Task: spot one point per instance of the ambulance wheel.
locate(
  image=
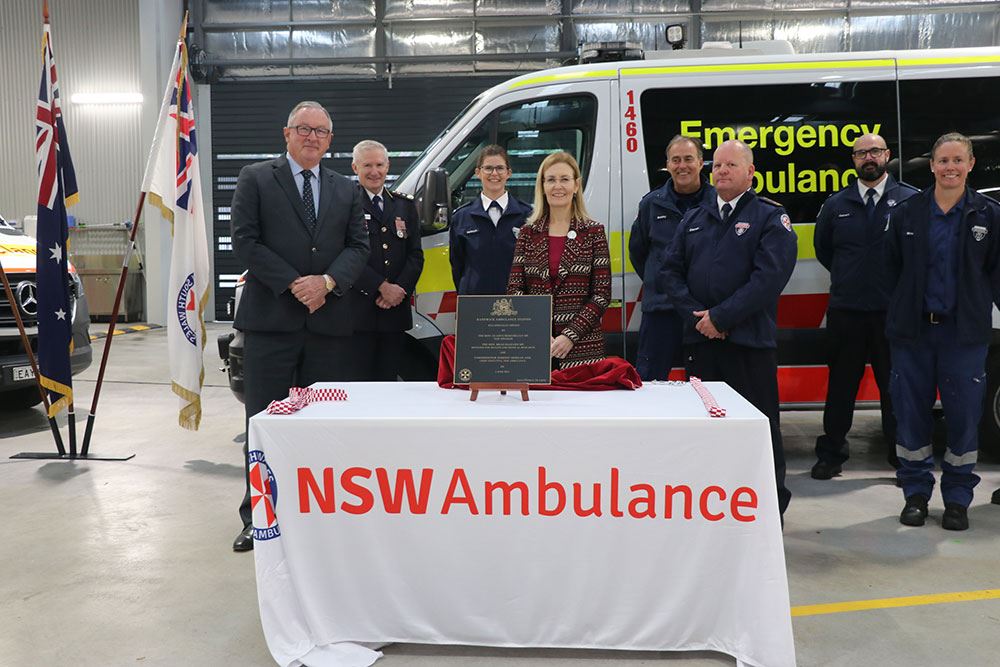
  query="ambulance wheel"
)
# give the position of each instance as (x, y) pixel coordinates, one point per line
(989, 425)
(20, 399)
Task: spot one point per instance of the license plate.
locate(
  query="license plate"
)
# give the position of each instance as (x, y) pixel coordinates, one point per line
(21, 373)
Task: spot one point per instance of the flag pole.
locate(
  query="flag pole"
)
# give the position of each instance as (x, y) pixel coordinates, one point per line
(124, 273)
(111, 328)
(31, 358)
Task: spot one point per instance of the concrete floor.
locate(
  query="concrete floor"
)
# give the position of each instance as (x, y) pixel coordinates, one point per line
(131, 563)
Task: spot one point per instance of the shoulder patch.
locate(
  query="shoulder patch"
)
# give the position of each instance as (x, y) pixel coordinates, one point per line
(786, 222)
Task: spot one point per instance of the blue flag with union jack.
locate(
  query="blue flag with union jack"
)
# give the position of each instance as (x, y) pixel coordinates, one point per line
(56, 190)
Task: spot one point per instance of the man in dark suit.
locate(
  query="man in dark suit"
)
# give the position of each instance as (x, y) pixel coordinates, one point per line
(298, 228)
(380, 300)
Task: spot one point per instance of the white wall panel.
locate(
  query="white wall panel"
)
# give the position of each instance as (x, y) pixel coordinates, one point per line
(96, 47)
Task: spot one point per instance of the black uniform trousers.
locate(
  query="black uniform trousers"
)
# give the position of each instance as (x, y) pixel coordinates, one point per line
(856, 338)
(274, 362)
(660, 336)
(753, 373)
(377, 355)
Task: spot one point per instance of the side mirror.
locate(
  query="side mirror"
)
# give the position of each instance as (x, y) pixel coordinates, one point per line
(435, 209)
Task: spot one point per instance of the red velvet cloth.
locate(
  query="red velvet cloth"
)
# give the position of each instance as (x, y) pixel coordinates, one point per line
(609, 373)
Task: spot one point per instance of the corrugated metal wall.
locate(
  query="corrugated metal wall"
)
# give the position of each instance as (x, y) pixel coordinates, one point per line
(247, 119)
(96, 46)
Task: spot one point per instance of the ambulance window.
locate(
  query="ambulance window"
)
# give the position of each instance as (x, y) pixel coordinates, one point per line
(529, 131)
(532, 130)
(801, 134)
(461, 166)
(932, 107)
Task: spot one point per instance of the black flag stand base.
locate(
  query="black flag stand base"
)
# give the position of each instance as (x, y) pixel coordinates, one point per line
(67, 457)
(61, 455)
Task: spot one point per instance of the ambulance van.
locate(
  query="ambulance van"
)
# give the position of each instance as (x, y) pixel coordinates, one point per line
(801, 115)
(17, 380)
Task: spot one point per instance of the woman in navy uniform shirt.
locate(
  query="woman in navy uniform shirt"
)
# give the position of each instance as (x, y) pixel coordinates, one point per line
(943, 257)
(483, 231)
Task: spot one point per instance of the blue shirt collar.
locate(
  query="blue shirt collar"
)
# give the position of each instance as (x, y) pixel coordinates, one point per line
(296, 167)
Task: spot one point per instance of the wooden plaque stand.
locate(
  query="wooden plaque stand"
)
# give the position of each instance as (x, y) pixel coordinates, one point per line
(474, 388)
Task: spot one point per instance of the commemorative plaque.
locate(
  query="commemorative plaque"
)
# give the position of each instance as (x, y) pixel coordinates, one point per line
(503, 340)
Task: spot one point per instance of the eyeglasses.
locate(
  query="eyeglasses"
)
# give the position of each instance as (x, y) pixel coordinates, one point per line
(874, 152)
(305, 131)
(490, 169)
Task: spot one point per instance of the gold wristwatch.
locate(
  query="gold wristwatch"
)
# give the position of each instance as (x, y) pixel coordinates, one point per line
(329, 283)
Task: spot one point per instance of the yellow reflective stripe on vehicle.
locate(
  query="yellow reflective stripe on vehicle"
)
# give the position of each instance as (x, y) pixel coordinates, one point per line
(805, 231)
(16, 248)
(619, 257)
(759, 67)
(436, 276)
(565, 76)
(959, 60)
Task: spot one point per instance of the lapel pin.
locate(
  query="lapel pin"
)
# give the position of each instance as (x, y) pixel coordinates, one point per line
(571, 235)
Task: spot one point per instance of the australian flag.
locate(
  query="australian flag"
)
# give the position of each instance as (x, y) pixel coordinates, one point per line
(56, 190)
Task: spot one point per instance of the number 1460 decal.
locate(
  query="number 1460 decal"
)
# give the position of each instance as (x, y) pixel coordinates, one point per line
(631, 129)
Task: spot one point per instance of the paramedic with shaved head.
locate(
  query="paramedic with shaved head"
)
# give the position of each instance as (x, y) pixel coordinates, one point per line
(727, 264)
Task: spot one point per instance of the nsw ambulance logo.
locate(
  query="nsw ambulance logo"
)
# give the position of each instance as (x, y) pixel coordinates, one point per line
(186, 308)
(263, 497)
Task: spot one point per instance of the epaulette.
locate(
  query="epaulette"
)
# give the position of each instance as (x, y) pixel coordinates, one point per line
(769, 201)
(400, 195)
(907, 186)
(468, 203)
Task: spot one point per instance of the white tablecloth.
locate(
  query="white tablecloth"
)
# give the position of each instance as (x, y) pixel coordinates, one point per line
(342, 556)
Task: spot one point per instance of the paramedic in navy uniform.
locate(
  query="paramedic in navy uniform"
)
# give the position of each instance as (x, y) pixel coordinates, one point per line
(483, 231)
(380, 299)
(660, 211)
(943, 253)
(726, 266)
(850, 231)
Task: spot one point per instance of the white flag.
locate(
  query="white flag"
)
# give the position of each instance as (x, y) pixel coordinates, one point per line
(173, 184)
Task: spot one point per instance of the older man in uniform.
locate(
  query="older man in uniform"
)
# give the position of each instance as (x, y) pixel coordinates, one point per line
(850, 232)
(660, 212)
(380, 300)
(724, 272)
(298, 229)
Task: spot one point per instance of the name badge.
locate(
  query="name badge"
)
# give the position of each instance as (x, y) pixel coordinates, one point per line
(843, 215)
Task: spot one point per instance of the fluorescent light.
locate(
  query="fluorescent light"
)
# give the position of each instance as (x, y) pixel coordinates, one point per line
(106, 98)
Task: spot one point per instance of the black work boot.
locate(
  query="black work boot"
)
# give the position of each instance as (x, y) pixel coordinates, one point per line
(915, 511)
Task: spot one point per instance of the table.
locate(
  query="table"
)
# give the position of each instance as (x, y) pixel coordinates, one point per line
(409, 514)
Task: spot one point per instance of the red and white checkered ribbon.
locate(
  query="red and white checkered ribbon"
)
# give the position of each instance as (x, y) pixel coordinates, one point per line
(706, 397)
(299, 397)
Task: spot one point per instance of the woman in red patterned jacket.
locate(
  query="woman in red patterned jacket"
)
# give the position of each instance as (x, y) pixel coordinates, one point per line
(562, 252)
